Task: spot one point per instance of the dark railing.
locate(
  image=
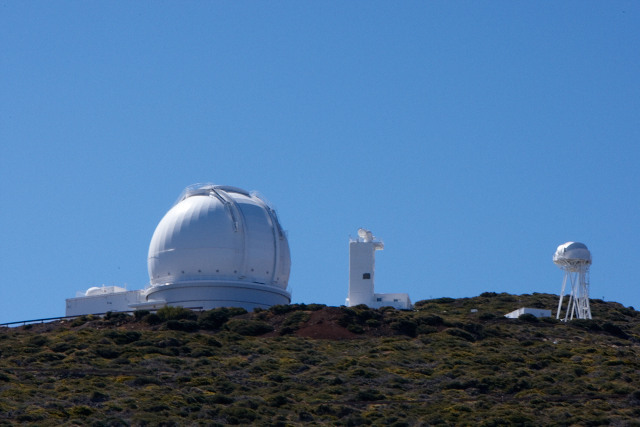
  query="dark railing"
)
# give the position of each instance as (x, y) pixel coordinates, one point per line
(46, 319)
(51, 319)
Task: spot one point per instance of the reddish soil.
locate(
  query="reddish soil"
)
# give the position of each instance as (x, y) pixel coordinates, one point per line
(323, 324)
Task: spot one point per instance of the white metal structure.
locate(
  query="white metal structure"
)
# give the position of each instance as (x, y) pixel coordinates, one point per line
(574, 259)
(538, 312)
(218, 246)
(362, 275)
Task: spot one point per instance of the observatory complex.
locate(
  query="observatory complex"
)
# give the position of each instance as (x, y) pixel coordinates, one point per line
(218, 246)
(221, 246)
(362, 252)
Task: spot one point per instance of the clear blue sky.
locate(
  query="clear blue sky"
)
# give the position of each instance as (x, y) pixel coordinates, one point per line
(471, 137)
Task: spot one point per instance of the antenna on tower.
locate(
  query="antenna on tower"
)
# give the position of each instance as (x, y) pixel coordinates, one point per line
(574, 259)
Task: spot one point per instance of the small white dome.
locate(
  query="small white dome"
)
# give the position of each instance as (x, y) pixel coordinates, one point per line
(94, 290)
(572, 253)
(219, 233)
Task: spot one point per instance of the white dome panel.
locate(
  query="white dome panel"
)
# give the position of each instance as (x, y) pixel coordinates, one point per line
(572, 253)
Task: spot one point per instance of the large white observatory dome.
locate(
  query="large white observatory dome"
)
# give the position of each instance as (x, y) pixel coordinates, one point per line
(219, 246)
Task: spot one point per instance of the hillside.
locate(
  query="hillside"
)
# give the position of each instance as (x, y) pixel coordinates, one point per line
(441, 364)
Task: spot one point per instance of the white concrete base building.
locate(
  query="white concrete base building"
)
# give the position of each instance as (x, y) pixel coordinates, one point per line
(362, 275)
(98, 300)
(218, 246)
(538, 312)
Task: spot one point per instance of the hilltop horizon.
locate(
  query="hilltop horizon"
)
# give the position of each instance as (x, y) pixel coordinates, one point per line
(440, 364)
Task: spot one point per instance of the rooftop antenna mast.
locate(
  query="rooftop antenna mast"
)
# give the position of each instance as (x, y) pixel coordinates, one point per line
(574, 259)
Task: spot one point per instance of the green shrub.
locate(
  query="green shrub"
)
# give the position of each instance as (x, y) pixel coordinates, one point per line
(116, 318)
(81, 411)
(140, 314)
(354, 328)
(528, 317)
(476, 329)
(152, 319)
(519, 385)
(587, 324)
(111, 422)
(248, 327)
(202, 352)
(97, 397)
(108, 352)
(461, 333)
(614, 330)
(282, 308)
(145, 380)
(79, 321)
(169, 342)
(462, 384)
(60, 347)
(373, 323)
(296, 319)
(487, 316)
(405, 327)
(214, 319)
(443, 300)
(305, 416)
(32, 415)
(278, 400)
(505, 297)
(239, 415)
(212, 342)
(370, 395)
(123, 337)
(183, 325)
(431, 320)
(220, 399)
(425, 330)
(49, 357)
(37, 341)
(176, 313)
(236, 311)
(348, 317)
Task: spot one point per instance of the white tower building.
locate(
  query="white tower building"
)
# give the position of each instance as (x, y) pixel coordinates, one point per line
(362, 275)
(218, 246)
(574, 259)
(362, 261)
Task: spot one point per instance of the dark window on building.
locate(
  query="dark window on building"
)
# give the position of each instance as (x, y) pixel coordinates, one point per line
(366, 276)
(378, 299)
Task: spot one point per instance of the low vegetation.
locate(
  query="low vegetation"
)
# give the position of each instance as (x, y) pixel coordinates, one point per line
(448, 362)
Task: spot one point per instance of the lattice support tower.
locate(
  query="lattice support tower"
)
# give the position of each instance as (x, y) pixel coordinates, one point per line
(574, 259)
